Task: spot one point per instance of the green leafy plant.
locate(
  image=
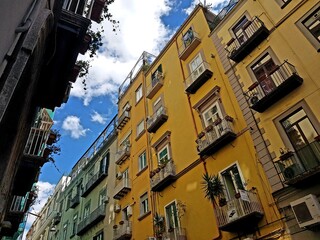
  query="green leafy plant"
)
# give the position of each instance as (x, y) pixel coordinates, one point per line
(213, 188)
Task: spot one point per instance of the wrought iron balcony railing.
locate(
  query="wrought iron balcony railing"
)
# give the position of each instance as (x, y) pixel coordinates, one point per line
(94, 181)
(156, 84)
(123, 231)
(122, 188)
(96, 216)
(75, 201)
(122, 155)
(155, 121)
(276, 85)
(216, 136)
(298, 166)
(163, 176)
(189, 45)
(198, 77)
(240, 214)
(253, 33)
(123, 119)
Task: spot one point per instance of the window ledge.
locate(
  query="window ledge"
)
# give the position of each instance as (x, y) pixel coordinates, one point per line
(144, 215)
(140, 134)
(142, 170)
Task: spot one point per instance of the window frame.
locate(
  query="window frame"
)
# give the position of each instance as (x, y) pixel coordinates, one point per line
(227, 192)
(139, 93)
(142, 162)
(86, 210)
(176, 220)
(144, 204)
(74, 224)
(102, 196)
(305, 31)
(141, 125)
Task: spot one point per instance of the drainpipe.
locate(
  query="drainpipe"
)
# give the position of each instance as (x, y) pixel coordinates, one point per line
(196, 132)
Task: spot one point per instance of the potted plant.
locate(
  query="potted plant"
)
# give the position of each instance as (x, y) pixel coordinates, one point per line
(201, 135)
(217, 121)
(85, 44)
(209, 128)
(213, 189)
(121, 222)
(228, 118)
(158, 222)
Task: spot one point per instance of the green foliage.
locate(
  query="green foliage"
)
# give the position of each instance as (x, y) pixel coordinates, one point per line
(212, 187)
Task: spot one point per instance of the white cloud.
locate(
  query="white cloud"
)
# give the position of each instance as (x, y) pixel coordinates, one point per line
(72, 125)
(45, 191)
(140, 29)
(99, 118)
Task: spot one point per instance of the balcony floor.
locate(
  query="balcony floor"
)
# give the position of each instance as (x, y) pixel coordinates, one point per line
(219, 143)
(305, 179)
(281, 91)
(205, 76)
(239, 54)
(157, 123)
(246, 223)
(164, 183)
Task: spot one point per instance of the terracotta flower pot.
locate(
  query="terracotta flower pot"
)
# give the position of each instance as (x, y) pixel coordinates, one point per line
(97, 9)
(85, 44)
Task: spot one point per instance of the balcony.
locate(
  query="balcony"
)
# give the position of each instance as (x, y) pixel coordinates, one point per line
(123, 231)
(240, 214)
(157, 119)
(189, 45)
(216, 136)
(96, 216)
(156, 84)
(122, 155)
(175, 234)
(198, 77)
(123, 119)
(279, 83)
(93, 182)
(163, 176)
(56, 218)
(254, 32)
(122, 188)
(75, 201)
(301, 166)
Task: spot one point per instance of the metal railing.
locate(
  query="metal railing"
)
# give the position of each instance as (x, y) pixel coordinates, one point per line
(98, 212)
(248, 30)
(177, 233)
(304, 160)
(196, 73)
(94, 178)
(237, 208)
(187, 42)
(123, 183)
(122, 230)
(168, 170)
(274, 79)
(122, 154)
(19, 204)
(76, 6)
(221, 15)
(152, 119)
(214, 132)
(156, 81)
(39, 135)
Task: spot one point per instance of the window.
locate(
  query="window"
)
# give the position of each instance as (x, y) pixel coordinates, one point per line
(232, 181)
(262, 70)
(211, 114)
(310, 26)
(140, 128)
(188, 37)
(172, 219)
(126, 141)
(65, 231)
(283, 3)
(125, 174)
(155, 77)
(158, 106)
(104, 163)
(86, 210)
(142, 161)
(126, 107)
(74, 224)
(99, 236)
(102, 197)
(68, 199)
(90, 174)
(138, 93)
(163, 154)
(239, 30)
(144, 206)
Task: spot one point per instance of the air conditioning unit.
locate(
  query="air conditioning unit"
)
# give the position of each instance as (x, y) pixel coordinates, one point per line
(254, 99)
(106, 201)
(306, 210)
(116, 208)
(119, 175)
(129, 211)
(151, 238)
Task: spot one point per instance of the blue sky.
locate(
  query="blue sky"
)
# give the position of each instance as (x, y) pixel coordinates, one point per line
(145, 25)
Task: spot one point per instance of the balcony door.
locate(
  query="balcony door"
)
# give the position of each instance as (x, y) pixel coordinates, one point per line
(301, 133)
(239, 30)
(232, 181)
(194, 65)
(262, 71)
(172, 218)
